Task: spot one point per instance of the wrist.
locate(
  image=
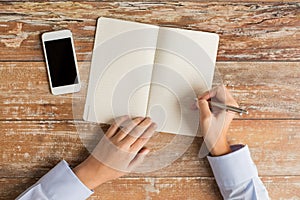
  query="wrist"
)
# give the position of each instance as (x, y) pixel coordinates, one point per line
(88, 173)
(222, 147)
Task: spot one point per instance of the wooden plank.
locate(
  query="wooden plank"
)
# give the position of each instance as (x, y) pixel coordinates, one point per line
(151, 1)
(189, 188)
(31, 148)
(280, 187)
(25, 93)
(266, 89)
(248, 30)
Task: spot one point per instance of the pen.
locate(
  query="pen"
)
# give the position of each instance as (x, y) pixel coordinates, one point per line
(227, 107)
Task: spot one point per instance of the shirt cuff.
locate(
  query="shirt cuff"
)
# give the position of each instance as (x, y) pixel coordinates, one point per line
(233, 168)
(61, 183)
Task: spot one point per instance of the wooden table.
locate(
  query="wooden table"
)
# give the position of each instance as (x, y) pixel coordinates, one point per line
(258, 58)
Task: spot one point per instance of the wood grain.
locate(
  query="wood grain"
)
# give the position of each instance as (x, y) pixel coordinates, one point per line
(38, 129)
(248, 31)
(151, 1)
(267, 90)
(195, 188)
(274, 145)
(192, 188)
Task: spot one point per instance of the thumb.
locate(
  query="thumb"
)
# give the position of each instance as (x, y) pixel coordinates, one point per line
(204, 108)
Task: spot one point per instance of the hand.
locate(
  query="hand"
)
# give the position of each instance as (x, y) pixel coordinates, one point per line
(119, 151)
(215, 122)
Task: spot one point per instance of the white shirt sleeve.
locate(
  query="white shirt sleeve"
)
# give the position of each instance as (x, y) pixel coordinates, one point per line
(59, 183)
(237, 176)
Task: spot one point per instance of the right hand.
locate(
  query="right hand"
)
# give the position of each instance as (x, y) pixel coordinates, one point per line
(215, 124)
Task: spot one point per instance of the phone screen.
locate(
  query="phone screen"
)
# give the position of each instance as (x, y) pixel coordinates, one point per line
(61, 62)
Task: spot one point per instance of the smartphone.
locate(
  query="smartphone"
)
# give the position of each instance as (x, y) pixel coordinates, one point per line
(61, 62)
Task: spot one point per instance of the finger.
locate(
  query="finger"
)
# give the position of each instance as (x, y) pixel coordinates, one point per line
(126, 127)
(205, 95)
(137, 131)
(139, 158)
(204, 109)
(229, 98)
(217, 94)
(115, 125)
(141, 141)
(209, 94)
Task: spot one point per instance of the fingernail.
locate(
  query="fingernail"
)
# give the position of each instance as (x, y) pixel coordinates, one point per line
(146, 151)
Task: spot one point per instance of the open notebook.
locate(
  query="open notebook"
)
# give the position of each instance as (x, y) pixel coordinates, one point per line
(146, 70)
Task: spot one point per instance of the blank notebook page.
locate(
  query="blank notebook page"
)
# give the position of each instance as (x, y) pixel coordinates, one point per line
(121, 70)
(184, 67)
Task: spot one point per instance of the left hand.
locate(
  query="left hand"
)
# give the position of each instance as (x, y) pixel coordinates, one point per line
(118, 152)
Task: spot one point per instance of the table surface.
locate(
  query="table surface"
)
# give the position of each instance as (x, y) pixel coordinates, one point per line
(258, 59)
